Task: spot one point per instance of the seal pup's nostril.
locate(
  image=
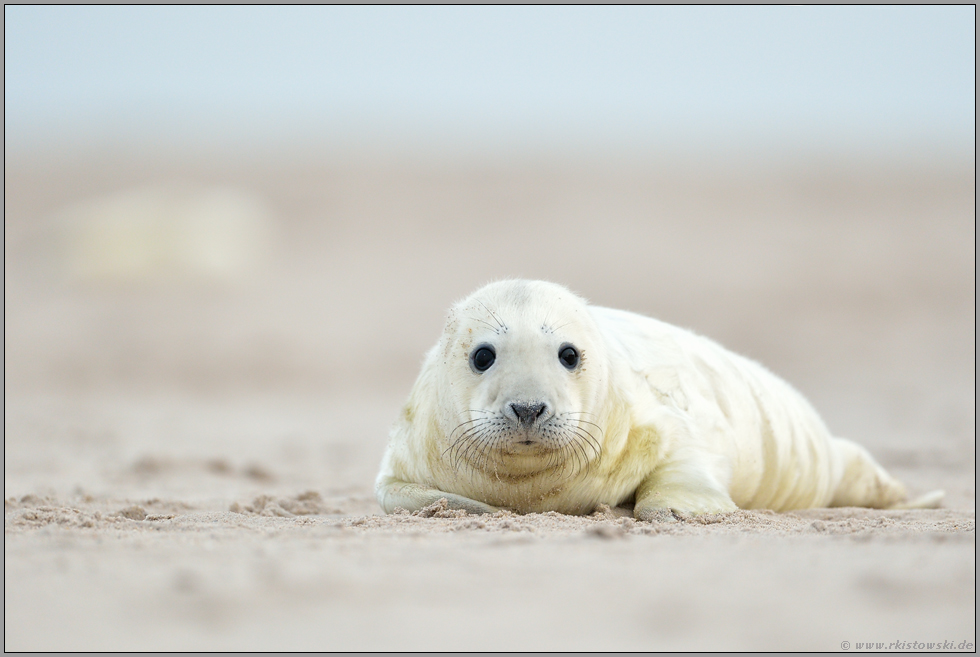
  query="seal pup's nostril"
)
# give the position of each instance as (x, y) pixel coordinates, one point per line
(528, 412)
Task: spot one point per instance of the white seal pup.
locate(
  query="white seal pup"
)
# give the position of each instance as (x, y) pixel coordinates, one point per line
(535, 401)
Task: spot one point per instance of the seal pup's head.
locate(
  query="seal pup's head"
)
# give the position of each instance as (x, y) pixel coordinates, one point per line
(522, 376)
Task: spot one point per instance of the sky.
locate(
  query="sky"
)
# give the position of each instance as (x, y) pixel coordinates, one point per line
(650, 79)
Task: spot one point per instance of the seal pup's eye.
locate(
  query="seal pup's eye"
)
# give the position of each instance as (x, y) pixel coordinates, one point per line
(568, 356)
(482, 358)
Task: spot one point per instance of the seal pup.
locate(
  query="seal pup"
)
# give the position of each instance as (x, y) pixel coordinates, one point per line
(535, 401)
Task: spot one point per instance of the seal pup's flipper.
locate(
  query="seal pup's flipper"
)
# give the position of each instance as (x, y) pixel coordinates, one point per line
(394, 494)
(864, 483)
(680, 490)
(931, 500)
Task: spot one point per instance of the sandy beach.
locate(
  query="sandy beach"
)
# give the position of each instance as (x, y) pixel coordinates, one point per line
(195, 409)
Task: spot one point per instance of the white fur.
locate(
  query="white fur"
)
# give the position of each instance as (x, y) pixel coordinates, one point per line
(653, 415)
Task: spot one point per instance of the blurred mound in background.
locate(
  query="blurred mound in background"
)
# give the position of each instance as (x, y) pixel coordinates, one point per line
(154, 233)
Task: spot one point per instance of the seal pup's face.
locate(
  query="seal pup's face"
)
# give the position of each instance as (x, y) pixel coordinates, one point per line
(525, 370)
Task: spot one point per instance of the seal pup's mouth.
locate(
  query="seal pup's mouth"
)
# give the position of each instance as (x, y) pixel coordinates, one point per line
(493, 442)
(525, 444)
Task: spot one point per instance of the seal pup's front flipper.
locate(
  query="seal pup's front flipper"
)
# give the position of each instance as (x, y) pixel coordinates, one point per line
(394, 494)
(680, 490)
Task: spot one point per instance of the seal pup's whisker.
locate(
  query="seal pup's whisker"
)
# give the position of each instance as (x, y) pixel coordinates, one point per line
(580, 451)
(468, 438)
(458, 442)
(474, 424)
(481, 441)
(580, 422)
(587, 438)
(463, 424)
(494, 316)
(492, 327)
(567, 321)
(581, 413)
(582, 442)
(473, 410)
(469, 444)
(489, 445)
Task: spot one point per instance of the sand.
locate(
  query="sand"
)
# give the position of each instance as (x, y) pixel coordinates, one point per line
(191, 437)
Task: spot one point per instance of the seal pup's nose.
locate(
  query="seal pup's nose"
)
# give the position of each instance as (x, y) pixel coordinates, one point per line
(528, 412)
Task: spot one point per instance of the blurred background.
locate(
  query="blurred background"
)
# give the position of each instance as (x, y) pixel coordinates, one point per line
(251, 208)
(231, 234)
